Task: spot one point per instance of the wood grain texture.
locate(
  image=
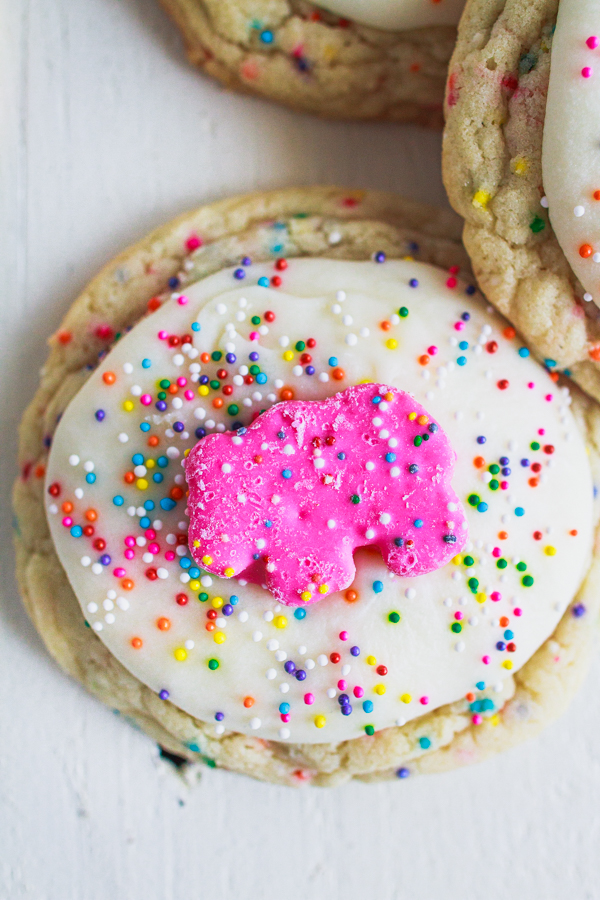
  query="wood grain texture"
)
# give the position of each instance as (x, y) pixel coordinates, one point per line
(106, 132)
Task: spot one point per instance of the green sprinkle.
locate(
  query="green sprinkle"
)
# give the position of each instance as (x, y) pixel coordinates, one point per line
(355, 498)
(165, 383)
(233, 409)
(469, 561)
(534, 445)
(254, 370)
(473, 584)
(473, 499)
(521, 567)
(418, 441)
(203, 597)
(494, 485)
(403, 312)
(394, 617)
(213, 664)
(456, 627)
(215, 385)
(526, 580)
(501, 564)
(216, 355)
(493, 469)
(300, 346)
(369, 729)
(255, 320)
(537, 225)
(161, 395)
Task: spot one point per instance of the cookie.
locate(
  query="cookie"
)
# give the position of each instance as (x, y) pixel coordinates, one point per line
(518, 166)
(194, 340)
(306, 57)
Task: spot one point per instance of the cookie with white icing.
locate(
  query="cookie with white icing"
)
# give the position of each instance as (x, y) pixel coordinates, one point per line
(380, 59)
(520, 165)
(338, 683)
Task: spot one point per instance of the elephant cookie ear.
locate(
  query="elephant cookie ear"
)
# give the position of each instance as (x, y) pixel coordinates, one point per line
(285, 502)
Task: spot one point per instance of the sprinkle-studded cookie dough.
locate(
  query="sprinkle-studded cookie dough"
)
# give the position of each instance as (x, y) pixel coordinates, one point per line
(213, 356)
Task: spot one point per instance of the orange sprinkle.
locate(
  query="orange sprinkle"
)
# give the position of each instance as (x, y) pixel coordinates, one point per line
(127, 584)
(574, 532)
(163, 624)
(91, 515)
(553, 376)
(594, 353)
(153, 441)
(479, 462)
(40, 471)
(287, 393)
(502, 535)
(67, 506)
(217, 402)
(338, 374)
(585, 251)
(596, 195)
(176, 493)
(136, 643)
(351, 596)
(210, 626)
(173, 388)
(128, 477)
(504, 621)
(153, 304)
(385, 325)
(205, 357)
(509, 332)
(248, 702)
(533, 482)
(470, 696)
(64, 337)
(109, 378)
(424, 359)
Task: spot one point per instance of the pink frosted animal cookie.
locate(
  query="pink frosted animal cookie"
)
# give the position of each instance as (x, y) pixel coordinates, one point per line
(287, 501)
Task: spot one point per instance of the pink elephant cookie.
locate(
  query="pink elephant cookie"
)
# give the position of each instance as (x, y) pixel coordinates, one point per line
(285, 502)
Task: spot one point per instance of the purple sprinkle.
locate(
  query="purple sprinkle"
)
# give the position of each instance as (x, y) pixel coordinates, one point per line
(290, 667)
(239, 274)
(164, 695)
(105, 560)
(380, 257)
(161, 405)
(579, 610)
(525, 463)
(300, 675)
(254, 356)
(481, 439)
(178, 426)
(403, 772)
(219, 716)
(100, 414)
(246, 261)
(231, 358)
(466, 316)
(355, 651)
(413, 283)
(310, 370)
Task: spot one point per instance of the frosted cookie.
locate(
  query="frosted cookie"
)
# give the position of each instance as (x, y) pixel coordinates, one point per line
(520, 167)
(382, 59)
(298, 502)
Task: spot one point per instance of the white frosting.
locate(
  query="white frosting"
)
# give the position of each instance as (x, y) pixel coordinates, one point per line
(342, 305)
(571, 147)
(397, 15)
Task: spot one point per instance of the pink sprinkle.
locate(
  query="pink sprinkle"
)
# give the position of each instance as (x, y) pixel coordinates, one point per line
(477, 719)
(358, 691)
(496, 596)
(129, 554)
(342, 685)
(548, 397)
(67, 521)
(285, 717)
(541, 431)
(104, 331)
(181, 381)
(458, 326)
(496, 552)
(309, 699)
(163, 335)
(504, 485)
(146, 399)
(454, 270)
(193, 242)
(432, 350)
(587, 72)
(169, 556)
(154, 548)
(182, 300)
(150, 534)
(119, 573)
(518, 611)
(451, 282)
(458, 616)
(592, 42)
(424, 701)
(130, 541)
(254, 335)
(343, 635)
(531, 385)
(189, 395)
(485, 660)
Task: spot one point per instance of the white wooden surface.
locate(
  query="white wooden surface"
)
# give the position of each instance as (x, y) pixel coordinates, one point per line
(106, 132)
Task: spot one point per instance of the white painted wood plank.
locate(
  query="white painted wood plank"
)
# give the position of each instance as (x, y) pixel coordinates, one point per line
(107, 133)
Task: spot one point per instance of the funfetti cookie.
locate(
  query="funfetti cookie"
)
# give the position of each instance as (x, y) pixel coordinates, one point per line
(298, 502)
(354, 59)
(521, 167)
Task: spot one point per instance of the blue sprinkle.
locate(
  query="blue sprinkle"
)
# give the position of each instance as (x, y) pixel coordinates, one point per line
(482, 507)
(523, 352)
(234, 600)
(550, 363)
(470, 290)
(173, 282)
(341, 456)
(163, 461)
(145, 522)
(76, 531)
(118, 500)
(149, 505)
(525, 463)
(376, 400)
(380, 257)
(145, 426)
(167, 504)
(333, 361)
(137, 459)
(299, 613)
(462, 360)
(195, 326)
(413, 468)
(509, 635)
(261, 378)
(378, 586)
(195, 573)
(464, 345)
(578, 610)
(368, 706)
(164, 695)
(425, 743)
(266, 37)
(284, 708)
(268, 523)
(287, 473)
(158, 477)
(500, 646)
(390, 457)
(146, 363)
(246, 261)
(480, 685)
(399, 542)
(90, 478)
(519, 511)
(418, 523)
(185, 562)
(263, 282)
(466, 316)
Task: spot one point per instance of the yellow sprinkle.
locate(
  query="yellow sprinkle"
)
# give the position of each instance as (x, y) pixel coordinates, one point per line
(550, 550)
(305, 595)
(323, 588)
(128, 405)
(207, 560)
(280, 621)
(219, 637)
(196, 543)
(408, 258)
(180, 654)
(229, 572)
(481, 597)
(141, 484)
(406, 698)
(457, 560)
(217, 602)
(379, 689)
(329, 52)
(412, 417)
(371, 660)
(150, 463)
(194, 585)
(507, 664)
(481, 199)
(495, 720)
(366, 381)
(519, 165)
(391, 343)
(288, 355)
(423, 420)
(187, 451)
(203, 390)
(320, 721)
